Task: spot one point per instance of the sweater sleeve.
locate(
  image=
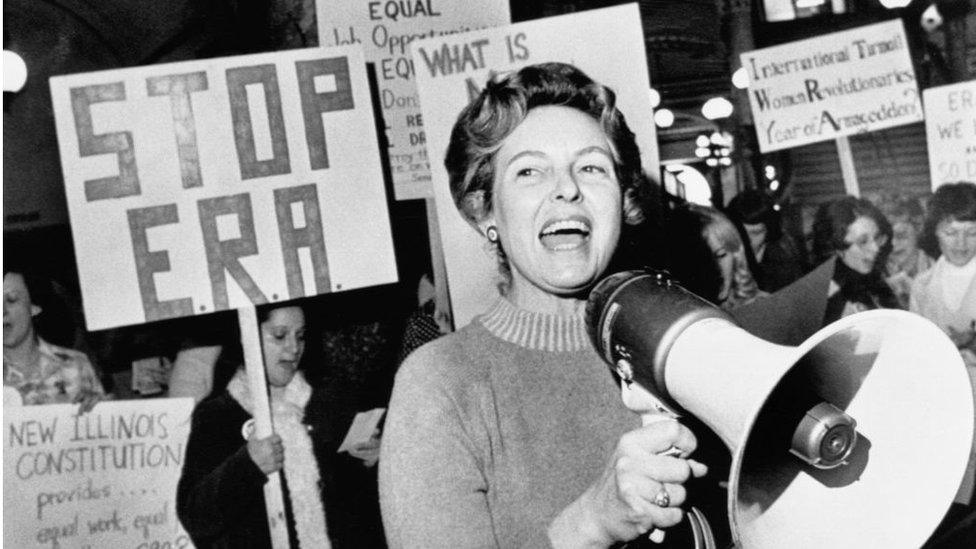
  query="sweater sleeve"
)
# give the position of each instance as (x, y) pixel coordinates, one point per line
(432, 481)
(220, 482)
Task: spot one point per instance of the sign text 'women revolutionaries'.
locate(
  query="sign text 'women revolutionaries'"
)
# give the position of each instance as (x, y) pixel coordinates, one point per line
(838, 84)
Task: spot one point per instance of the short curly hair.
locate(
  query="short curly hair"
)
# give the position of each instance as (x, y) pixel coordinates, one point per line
(951, 202)
(483, 125)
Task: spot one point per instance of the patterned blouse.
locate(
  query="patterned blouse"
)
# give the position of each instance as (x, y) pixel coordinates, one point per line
(62, 376)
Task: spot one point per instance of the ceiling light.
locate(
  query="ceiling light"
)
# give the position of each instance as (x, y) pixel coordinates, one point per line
(663, 118)
(717, 107)
(655, 98)
(740, 78)
(14, 72)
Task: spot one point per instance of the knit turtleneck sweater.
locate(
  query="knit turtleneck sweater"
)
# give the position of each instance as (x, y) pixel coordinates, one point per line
(494, 429)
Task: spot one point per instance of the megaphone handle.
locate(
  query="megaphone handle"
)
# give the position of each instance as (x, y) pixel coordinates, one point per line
(657, 535)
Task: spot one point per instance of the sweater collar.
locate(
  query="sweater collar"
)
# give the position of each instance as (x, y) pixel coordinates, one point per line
(536, 331)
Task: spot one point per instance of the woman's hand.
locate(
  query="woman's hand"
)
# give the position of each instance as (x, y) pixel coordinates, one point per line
(88, 400)
(628, 498)
(267, 453)
(368, 451)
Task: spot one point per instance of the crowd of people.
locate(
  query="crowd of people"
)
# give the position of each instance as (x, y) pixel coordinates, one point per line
(507, 432)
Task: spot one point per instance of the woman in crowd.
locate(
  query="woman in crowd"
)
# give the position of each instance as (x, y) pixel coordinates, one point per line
(776, 259)
(220, 498)
(738, 286)
(856, 233)
(36, 371)
(906, 259)
(510, 432)
(946, 293)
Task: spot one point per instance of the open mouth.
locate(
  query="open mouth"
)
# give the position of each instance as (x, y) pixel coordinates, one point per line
(565, 234)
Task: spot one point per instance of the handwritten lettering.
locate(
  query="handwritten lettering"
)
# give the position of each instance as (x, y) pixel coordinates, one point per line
(126, 183)
(397, 9)
(455, 58)
(32, 433)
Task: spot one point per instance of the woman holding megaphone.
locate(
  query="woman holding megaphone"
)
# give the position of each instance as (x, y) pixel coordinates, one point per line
(509, 432)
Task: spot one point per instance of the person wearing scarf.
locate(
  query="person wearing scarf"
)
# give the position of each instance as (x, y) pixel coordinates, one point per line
(220, 498)
(855, 232)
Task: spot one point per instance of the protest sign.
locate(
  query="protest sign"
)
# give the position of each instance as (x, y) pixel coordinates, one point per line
(834, 85)
(208, 185)
(950, 129)
(450, 69)
(385, 28)
(106, 478)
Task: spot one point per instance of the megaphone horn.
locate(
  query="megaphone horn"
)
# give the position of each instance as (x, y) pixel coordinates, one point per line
(830, 440)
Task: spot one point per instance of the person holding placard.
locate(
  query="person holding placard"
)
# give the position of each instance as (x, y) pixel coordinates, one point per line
(36, 371)
(220, 498)
(855, 232)
(509, 432)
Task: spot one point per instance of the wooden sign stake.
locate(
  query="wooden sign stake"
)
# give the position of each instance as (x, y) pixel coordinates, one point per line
(847, 169)
(263, 427)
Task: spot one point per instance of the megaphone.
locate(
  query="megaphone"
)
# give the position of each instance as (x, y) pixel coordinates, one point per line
(859, 437)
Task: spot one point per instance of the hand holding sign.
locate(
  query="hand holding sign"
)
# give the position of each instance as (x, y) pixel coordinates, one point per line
(267, 453)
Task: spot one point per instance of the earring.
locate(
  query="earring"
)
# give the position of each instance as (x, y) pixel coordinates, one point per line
(492, 233)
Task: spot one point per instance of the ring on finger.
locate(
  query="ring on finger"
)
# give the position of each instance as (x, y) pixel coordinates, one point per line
(663, 498)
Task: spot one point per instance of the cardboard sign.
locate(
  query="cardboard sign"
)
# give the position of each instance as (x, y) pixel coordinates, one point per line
(106, 478)
(950, 129)
(385, 28)
(451, 69)
(208, 185)
(838, 84)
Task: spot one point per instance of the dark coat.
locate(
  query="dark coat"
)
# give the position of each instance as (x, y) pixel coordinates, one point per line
(220, 496)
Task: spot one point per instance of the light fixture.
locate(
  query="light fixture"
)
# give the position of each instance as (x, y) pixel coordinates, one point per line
(702, 141)
(655, 98)
(663, 118)
(770, 171)
(14, 72)
(895, 4)
(717, 107)
(931, 18)
(740, 78)
(774, 184)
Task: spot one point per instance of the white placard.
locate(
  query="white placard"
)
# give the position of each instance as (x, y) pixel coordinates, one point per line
(837, 84)
(362, 429)
(450, 69)
(950, 129)
(106, 478)
(208, 185)
(385, 29)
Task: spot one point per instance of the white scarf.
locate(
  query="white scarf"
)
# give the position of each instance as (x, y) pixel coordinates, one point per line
(301, 469)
